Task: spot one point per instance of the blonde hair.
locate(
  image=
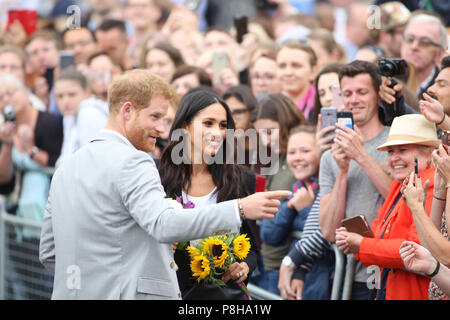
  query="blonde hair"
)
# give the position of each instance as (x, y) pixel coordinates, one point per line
(137, 86)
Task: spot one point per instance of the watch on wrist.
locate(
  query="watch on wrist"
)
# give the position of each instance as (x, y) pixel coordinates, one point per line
(34, 150)
(287, 261)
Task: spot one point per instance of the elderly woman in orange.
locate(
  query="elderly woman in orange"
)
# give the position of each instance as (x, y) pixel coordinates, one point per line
(410, 136)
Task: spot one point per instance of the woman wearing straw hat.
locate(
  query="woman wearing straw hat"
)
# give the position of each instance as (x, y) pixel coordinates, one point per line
(410, 136)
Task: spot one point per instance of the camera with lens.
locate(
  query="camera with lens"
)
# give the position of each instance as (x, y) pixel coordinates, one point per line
(392, 67)
(9, 114)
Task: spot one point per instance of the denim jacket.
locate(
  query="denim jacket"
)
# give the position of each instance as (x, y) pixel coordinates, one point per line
(276, 231)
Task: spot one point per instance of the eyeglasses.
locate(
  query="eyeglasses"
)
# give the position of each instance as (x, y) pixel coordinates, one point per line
(423, 42)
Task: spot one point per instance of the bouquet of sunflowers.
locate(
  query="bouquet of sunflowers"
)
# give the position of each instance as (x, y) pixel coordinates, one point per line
(212, 256)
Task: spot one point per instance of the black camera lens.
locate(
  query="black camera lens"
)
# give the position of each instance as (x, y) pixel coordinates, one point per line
(392, 67)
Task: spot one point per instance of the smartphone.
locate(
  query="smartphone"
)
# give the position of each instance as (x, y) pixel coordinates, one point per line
(444, 137)
(329, 118)
(358, 224)
(28, 19)
(66, 59)
(416, 166)
(241, 25)
(336, 101)
(192, 4)
(219, 62)
(345, 118)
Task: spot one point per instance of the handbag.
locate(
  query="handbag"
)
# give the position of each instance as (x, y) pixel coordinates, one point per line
(232, 291)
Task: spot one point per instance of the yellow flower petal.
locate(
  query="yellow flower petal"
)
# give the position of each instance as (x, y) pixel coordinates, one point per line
(200, 267)
(241, 246)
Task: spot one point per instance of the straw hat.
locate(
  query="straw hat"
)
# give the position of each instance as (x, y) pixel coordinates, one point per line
(411, 129)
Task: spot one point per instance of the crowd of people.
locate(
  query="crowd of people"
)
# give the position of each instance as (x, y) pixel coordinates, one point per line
(293, 61)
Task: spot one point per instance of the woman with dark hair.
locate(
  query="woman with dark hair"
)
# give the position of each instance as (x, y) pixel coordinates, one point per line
(202, 173)
(244, 107)
(326, 79)
(187, 77)
(162, 59)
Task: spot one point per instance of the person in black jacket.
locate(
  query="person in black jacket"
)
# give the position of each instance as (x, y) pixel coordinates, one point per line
(203, 118)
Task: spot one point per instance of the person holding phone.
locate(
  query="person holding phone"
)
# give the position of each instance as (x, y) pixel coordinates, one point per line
(433, 230)
(410, 136)
(326, 83)
(350, 188)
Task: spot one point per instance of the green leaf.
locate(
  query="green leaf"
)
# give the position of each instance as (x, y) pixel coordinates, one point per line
(182, 245)
(218, 282)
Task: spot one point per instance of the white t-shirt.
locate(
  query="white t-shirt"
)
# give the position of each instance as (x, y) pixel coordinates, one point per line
(204, 201)
(200, 202)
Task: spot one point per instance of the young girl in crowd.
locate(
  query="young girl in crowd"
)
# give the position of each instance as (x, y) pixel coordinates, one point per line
(202, 180)
(277, 115)
(296, 69)
(303, 161)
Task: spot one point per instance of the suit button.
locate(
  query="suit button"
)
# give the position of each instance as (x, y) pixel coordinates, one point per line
(173, 265)
(179, 294)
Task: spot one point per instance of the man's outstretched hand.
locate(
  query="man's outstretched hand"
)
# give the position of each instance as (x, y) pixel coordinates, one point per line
(263, 205)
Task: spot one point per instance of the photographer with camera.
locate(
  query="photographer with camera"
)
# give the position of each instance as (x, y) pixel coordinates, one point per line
(435, 103)
(391, 91)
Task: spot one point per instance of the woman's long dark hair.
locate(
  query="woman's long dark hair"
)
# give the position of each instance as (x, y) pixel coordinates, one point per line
(229, 178)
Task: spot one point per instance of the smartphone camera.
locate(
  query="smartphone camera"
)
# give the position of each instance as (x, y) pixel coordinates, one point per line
(9, 114)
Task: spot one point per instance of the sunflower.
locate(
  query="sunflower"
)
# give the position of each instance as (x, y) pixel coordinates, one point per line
(193, 252)
(218, 250)
(241, 246)
(200, 267)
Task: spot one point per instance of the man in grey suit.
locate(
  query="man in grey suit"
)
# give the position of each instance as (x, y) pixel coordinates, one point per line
(107, 230)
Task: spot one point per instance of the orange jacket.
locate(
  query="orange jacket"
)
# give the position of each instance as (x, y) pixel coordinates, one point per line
(401, 284)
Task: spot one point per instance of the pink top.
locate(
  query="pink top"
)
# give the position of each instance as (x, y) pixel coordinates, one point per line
(306, 104)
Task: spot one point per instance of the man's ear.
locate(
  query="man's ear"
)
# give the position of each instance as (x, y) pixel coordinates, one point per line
(127, 110)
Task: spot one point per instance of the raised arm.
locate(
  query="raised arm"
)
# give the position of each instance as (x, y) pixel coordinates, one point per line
(332, 205)
(352, 143)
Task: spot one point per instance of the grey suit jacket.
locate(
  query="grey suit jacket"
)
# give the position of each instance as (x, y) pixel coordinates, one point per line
(107, 229)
